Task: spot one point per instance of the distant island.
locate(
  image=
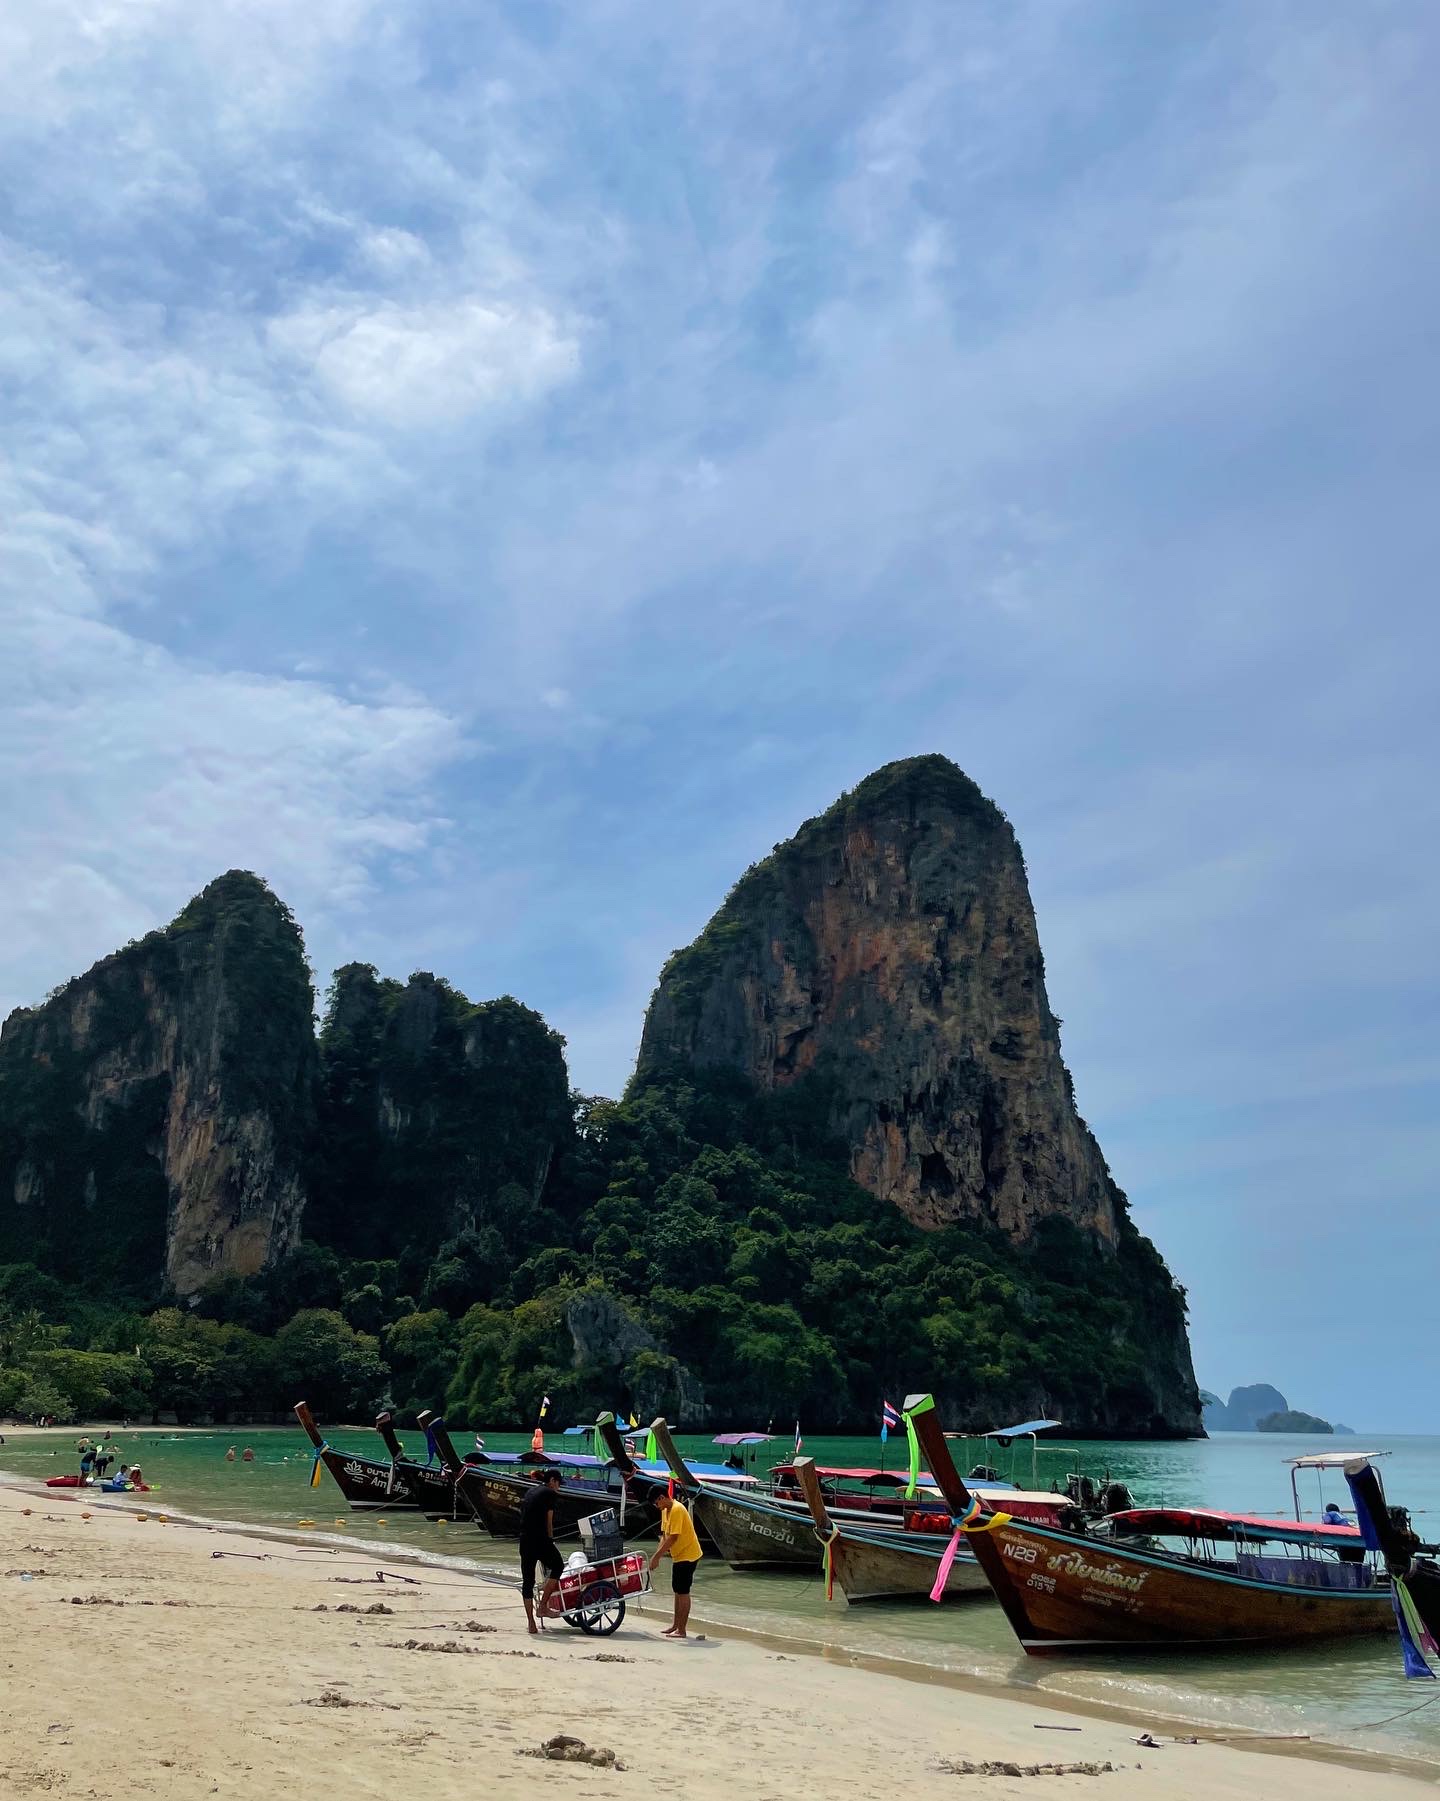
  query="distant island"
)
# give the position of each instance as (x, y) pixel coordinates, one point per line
(1261, 1408)
(1288, 1419)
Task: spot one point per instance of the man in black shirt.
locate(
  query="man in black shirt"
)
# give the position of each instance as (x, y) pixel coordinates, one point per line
(537, 1545)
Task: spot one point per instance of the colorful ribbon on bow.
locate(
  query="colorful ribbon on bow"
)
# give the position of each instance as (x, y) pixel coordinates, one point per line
(1415, 1640)
(952, 1549)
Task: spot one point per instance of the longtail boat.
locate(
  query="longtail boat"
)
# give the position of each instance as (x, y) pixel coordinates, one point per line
(872, 1563)
(371, 1485)
(749, 1530)
(1162, 1577)
(494, 1489)
(756, 1530)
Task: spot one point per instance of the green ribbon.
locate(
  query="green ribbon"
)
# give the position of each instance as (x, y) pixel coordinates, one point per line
(922, 1406)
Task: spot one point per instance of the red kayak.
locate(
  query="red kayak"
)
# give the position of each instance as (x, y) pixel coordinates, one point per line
(139, 1488)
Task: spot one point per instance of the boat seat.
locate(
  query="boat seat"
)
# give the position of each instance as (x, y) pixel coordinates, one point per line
(1305, 1572)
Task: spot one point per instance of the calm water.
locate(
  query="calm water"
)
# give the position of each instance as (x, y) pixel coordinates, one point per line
(1336, 1693)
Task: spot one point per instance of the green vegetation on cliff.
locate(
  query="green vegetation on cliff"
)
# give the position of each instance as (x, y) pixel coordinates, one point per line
(437, 1118)
(703, 1248)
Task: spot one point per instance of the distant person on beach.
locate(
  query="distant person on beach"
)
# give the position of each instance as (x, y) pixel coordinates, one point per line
(537, 1439)
(102, 1461)
(230, 1455)
(87, 1460)
(679, 1543)
(247, 1455)
(537, 1545)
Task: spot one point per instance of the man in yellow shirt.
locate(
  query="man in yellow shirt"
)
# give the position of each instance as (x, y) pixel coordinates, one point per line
(679, 1543)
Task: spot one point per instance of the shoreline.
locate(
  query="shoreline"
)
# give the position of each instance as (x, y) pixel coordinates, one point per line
(951, 1705)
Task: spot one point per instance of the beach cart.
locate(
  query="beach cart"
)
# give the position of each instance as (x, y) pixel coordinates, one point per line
(598, 1578)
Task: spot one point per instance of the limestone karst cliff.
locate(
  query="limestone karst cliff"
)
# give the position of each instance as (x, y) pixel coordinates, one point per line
(154, 1111)
(849, 1164)
(886, 961)
(889, 951)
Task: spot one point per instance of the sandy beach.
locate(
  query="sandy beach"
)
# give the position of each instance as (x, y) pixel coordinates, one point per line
(202, 1661)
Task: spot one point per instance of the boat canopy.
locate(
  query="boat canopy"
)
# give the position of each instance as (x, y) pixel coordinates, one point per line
(568, 1460)
(880, 1478)
(1027, 1429)
(1205, 1522)
(743, 1438)
(709, 1473)
(1332, 1460)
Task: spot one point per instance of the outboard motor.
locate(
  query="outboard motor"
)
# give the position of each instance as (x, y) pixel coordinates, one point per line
(1115, 1497)
(1083, 1492)
(983, 1473)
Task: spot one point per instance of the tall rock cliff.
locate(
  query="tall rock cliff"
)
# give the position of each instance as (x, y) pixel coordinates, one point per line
(890, 950)
(886, 960)
(437, 1117)
(154, 1111)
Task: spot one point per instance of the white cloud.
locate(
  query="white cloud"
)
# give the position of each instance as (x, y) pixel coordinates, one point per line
(412, 365)
(128, 778)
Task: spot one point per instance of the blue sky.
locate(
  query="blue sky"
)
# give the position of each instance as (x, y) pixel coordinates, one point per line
(496, 469)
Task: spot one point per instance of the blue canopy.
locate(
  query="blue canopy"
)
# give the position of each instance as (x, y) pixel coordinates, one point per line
(575, 1431)
(1025, 1429)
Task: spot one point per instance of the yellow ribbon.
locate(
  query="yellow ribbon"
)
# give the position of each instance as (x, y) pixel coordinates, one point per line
(989, 1523)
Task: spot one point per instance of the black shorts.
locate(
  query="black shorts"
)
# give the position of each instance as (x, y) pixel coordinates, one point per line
(682, 1577)
(530, 1555)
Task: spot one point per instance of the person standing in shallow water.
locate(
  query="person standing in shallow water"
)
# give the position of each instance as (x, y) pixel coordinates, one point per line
(679, 1542)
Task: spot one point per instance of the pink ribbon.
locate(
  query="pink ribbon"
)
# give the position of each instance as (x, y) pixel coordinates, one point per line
(944, 1575)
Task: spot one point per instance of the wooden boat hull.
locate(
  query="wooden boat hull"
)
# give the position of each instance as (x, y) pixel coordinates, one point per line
(751, 1534)
(902, 1566)
(370, 1486)
(496, 1499)
(1062, 1592)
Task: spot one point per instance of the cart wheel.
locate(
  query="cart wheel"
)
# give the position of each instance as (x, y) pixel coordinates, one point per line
(574, 1620)
(602, 1608)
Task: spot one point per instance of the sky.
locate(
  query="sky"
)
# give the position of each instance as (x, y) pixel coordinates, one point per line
(496, 469)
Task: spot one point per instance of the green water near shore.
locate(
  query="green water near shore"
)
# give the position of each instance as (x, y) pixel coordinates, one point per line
(1336, 1693)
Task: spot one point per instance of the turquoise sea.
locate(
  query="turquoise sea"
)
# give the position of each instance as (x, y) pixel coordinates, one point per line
(1343, 1694)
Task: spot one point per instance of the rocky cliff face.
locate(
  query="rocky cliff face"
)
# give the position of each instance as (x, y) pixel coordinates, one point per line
(889, 952)
(153, 1112)
(885, 963)
(437, 1116)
